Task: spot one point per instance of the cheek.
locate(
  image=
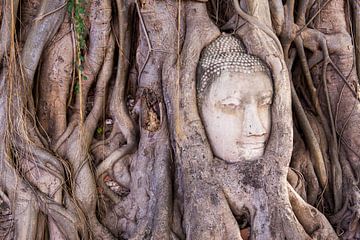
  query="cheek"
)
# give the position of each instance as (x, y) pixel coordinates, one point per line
(221, 127)
(228, 128)
(265, 117)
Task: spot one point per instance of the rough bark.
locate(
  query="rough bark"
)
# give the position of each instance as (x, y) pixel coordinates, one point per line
(105, 141)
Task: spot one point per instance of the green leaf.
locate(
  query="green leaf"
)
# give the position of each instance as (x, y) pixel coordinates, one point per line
(100, 130)
(70, 6)
(81, 10)
(77, 88)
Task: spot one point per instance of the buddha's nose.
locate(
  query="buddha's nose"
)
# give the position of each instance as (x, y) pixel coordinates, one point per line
(252, 125)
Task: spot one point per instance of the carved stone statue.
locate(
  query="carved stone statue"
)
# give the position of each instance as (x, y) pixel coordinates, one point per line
(235, 95)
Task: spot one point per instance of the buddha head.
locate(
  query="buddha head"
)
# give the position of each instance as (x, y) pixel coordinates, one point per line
(234, 91)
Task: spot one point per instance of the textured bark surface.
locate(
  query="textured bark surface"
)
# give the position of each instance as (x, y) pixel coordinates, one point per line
(102, 138)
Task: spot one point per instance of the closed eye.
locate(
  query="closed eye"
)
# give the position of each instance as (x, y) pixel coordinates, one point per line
(265, 101)
(231, 102)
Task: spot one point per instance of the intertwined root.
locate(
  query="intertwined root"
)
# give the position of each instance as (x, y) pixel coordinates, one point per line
(66, 71)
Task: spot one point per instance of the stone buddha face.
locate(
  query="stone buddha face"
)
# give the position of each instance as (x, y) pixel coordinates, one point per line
(235, 106)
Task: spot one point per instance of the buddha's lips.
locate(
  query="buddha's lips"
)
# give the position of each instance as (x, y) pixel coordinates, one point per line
(257, 147)
(251, 144)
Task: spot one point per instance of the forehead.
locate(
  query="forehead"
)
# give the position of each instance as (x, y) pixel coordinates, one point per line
(241, 84)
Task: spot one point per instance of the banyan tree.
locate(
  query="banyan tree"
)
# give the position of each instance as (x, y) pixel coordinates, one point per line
(179, 119)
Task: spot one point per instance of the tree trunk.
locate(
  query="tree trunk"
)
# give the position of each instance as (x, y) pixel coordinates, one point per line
(102, 136)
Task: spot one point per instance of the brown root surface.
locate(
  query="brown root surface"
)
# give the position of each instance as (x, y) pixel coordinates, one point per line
(105, 141)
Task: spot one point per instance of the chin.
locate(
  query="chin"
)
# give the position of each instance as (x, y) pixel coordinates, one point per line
(249, 154)
(244, 155)
(252, 154)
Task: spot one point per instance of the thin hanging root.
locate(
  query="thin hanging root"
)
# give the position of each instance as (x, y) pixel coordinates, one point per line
(345, 124)
(309, 81)
(121, 18)
(41, 17)
(329, 126)
(42, 155)
(254, 21)
(29, 195)
(338, 108)
(344, 79)
(313, 17)
(7, 31)
(73, 65)
(336, 167)
(312, 143)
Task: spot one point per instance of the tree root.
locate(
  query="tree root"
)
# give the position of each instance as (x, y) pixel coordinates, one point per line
(312, 143)
(314, 223)
(168, 37)
(8, 20)
(41, 32)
